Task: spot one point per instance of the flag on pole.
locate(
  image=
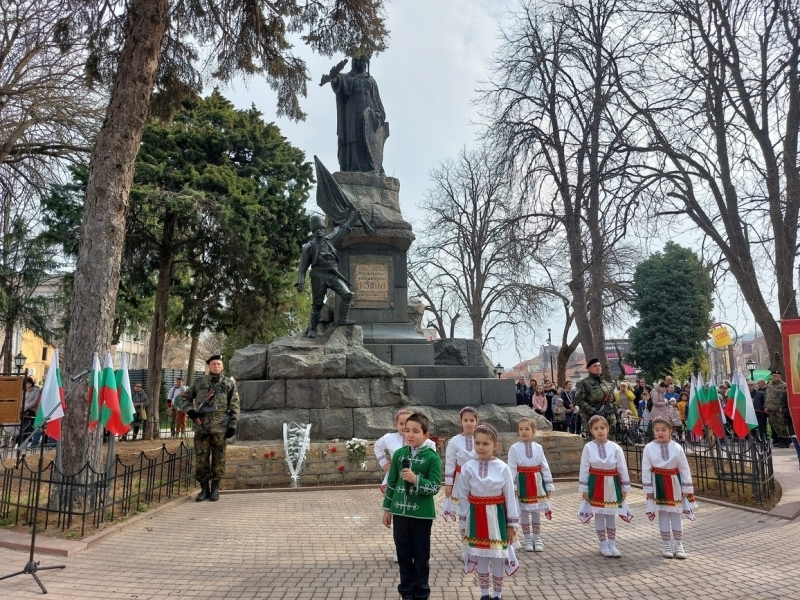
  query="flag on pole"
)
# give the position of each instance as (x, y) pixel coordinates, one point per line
(714, 416)
(739, 407)
(694, 418)
(710, 407)
(109, 399)
(52, 400)
(125, 393)
(94, 392)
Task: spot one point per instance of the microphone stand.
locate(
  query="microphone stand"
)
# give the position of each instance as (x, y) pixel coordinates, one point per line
(32, 566)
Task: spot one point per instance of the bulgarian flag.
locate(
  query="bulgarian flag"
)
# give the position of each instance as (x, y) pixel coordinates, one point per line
(124, 393)
(93, 395)
(51, 406)
(694, 418)
(713, 414)
(109, 399)
(739, 407)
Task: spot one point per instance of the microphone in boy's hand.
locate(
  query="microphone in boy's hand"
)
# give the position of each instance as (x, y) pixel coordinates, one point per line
(406, 465)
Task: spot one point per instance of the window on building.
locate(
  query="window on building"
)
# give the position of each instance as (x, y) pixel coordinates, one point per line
(44, 353)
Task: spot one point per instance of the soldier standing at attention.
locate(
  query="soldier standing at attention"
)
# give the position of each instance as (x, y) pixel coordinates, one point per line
(780, 429)
(213, 406)
(594, 396)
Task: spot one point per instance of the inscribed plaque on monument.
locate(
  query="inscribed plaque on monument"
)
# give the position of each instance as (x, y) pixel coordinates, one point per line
(372, 281)
(10, 399)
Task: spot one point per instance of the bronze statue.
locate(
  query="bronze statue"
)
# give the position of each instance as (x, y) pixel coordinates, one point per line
(320, 254)
(360, 124)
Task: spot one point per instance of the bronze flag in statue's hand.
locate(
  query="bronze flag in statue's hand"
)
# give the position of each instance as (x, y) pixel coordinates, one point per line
(332, 199)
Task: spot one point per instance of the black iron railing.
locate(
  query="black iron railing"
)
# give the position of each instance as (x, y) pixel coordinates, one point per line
(737, 469)
(91, 497)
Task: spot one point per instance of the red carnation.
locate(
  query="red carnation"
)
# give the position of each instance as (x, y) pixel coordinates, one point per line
(341, 468)
(333, 449)
(266, 454)
(272, 453)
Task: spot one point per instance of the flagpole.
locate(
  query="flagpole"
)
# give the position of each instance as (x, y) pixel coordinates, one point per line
(85, 448)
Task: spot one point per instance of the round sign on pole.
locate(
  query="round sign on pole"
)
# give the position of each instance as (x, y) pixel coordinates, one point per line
(721, 335)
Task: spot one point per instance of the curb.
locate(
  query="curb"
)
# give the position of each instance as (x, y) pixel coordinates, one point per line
(60, 547)
(758, 511)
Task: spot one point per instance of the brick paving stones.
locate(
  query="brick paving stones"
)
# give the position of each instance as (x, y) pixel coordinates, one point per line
(330, 545)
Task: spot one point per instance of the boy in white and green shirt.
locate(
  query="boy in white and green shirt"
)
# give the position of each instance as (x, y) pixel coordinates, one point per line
(409, 502)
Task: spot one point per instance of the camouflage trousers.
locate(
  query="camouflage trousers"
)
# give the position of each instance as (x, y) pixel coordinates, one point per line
(209, 449)
(612, 425)
(780, 429)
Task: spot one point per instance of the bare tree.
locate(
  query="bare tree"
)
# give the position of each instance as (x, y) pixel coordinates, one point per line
(467, 259)
(717, 89)
(552, 113)
(46, 116)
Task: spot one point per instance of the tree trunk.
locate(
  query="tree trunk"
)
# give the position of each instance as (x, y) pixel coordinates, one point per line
(8, 340)
(105, 208)
(192, 357)
(159, 332)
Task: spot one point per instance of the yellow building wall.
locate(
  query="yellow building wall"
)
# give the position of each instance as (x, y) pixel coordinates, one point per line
(33, 347)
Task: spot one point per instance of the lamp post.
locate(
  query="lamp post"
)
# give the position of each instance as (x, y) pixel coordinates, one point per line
(751, 366)
(550, 355)
(498, 370)
(19, 361)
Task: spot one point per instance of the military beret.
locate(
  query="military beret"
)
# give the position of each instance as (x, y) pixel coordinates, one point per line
(593, 361)
(215, 357)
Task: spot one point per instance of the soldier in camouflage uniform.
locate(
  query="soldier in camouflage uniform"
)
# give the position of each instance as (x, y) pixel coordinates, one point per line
(213, 404)
(594, 396)
(777, 420)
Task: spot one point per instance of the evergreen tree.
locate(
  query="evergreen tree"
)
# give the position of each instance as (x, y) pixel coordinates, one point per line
(673, 299)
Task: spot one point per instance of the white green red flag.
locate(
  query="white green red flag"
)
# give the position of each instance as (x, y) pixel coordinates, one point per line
(93, 395)
(739, 407)
(694, 418)
(51, 406)
(124, 392)
(109, 399)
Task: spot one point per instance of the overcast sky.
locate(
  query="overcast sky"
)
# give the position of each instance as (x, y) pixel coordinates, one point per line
(439, 52)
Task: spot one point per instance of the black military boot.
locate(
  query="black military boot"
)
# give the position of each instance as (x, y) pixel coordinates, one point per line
(213, 493)
(344, 311)
(312, 325)
(203, 495)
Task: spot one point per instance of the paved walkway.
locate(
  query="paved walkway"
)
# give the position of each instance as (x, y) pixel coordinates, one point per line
(785, 463)
(331, 546)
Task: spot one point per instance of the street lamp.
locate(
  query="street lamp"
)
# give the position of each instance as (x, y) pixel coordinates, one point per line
(498, 370)
(19, 361)
(751, 366)
(550, 354)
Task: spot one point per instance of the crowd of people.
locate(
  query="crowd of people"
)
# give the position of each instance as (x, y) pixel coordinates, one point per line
(492, 500)
(636, 405)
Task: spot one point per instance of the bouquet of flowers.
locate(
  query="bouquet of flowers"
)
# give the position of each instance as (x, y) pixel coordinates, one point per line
(357, 452)
(295, 443)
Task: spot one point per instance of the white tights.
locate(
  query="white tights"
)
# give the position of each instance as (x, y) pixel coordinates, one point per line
(531, 525)
(667, 520)
(496, 576)
(604, 526)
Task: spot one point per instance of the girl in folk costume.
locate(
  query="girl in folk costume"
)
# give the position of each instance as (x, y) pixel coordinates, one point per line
(460, 449)
(667, 481)
(604, 483)
(534, 483)
(391, 443)
(488, 514)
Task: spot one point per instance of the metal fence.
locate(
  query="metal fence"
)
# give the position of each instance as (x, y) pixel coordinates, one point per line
(739, 469)
(92, 497)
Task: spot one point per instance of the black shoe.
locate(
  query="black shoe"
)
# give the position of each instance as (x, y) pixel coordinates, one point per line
(203, 495)
(213, 493)
(486, 597)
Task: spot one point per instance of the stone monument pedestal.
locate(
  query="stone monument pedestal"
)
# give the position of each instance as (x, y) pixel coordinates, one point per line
(375, 264)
